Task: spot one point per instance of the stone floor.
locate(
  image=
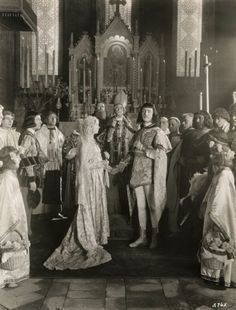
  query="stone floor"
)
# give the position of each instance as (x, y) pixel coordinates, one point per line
(164, 278)
(116, 293)
(171, 258)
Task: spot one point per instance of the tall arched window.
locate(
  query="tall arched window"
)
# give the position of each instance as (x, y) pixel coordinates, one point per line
(189, 36)
(47, 12)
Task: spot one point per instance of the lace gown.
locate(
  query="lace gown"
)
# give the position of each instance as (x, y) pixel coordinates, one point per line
(82, 246)
(14, 243)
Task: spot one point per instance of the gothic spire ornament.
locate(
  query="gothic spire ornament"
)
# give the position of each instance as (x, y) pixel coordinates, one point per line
(118, 3)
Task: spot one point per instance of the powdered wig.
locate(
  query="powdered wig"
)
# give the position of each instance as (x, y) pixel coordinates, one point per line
(88, 125)
(1, 108)
(5, 157)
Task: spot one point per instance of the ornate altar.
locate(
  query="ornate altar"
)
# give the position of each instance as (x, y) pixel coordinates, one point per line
(119, 61)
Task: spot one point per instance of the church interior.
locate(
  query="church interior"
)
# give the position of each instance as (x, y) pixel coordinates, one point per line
(68, 55)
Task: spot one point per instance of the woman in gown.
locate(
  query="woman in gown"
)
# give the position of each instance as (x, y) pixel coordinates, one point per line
(14, 243)
(82, 246)
(218, 250)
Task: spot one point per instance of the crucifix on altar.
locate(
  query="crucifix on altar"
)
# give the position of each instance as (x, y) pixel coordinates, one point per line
(118, 3)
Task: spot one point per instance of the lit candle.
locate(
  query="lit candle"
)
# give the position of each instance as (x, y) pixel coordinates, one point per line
(200, 101)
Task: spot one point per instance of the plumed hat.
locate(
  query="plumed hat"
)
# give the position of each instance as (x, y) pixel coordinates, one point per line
(221, 112)
(29, 121)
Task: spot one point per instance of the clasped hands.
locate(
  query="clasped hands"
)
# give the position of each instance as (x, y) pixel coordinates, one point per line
(114, 170)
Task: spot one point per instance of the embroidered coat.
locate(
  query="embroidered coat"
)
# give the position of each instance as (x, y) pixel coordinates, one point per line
(150, 164)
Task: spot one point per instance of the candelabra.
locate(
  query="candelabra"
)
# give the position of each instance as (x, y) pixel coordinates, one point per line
(42, 99)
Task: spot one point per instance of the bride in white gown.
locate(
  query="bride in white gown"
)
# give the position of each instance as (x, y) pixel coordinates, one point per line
(82, 246)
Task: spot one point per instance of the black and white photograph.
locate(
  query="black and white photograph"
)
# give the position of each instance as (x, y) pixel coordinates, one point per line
(117, 154)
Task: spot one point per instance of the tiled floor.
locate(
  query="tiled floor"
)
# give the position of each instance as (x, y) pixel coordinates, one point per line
(116, 293)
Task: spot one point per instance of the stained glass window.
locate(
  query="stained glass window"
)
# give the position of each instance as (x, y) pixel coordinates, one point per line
(47, 12)
(125, 12)
(189, 36)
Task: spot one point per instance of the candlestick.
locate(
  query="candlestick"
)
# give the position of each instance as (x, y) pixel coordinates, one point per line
(189, 66)
(28, 67)
(185, 63)
(72, 40)
(157, 84)
(133, 78)
(46, 68)
(234, 96)
(195, 63)
(90, 84)
(37, 57)
(163, 78)
(98, 78)
(23, 64)
(141, 85)
(84, 78)
(53, 68)
(200, 101)
(207, 82)
(150, 79)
